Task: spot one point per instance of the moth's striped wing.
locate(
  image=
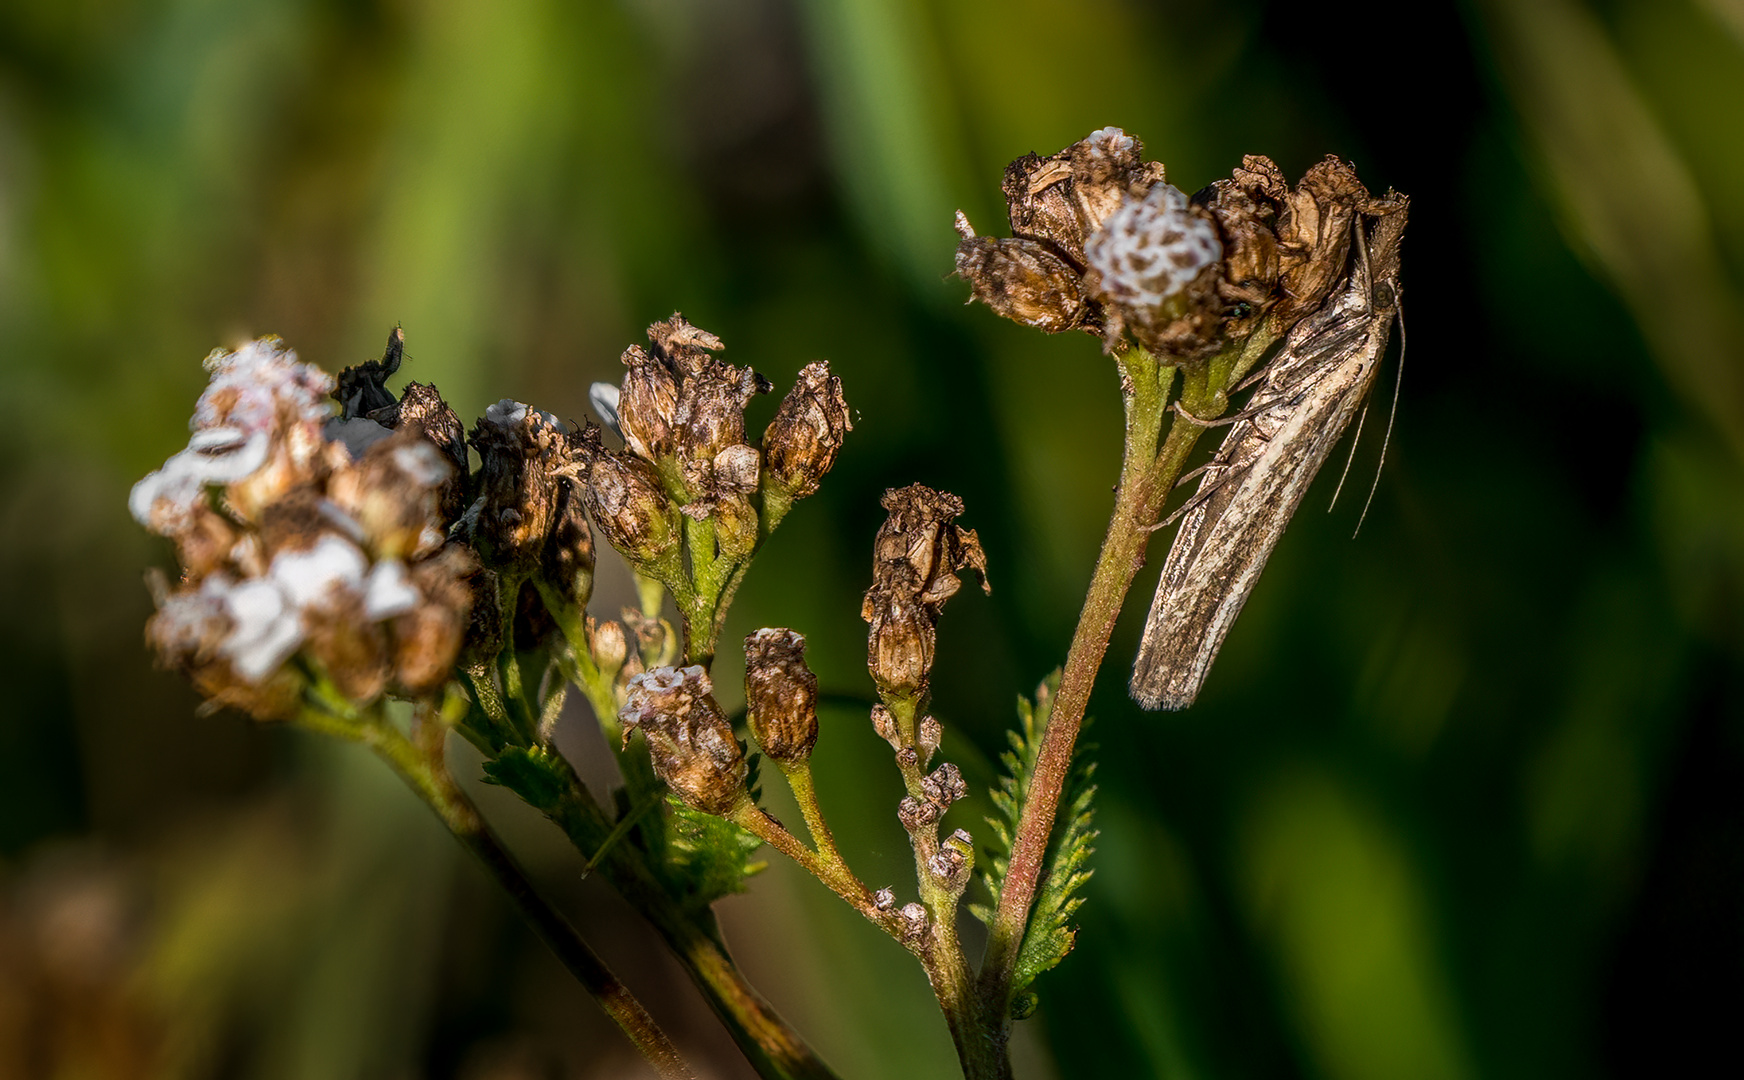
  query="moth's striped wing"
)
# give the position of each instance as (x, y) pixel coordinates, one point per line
(1253, 486)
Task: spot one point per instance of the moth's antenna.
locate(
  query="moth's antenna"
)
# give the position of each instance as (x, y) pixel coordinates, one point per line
(1362, 419)
(1392, 413)
(1362, 248)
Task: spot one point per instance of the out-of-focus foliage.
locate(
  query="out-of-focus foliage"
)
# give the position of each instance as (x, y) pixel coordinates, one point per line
(1460, 797)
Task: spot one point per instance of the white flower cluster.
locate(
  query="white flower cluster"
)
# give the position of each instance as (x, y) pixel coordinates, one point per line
(259, 395)
(318, 542)
(259, 623)
(1152, 248)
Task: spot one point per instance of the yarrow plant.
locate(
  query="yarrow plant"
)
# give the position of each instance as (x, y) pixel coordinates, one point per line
(355, 561)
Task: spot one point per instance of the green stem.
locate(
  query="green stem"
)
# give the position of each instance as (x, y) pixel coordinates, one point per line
(422, 770)
(1147, 476)
(772, 1047)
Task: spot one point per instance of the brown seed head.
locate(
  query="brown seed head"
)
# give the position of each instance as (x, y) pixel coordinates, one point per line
(1025, 281)
(689, 740)
(945, 785)
(521, 452)
(624, 497)
(421, 408)
(914, 562)
(427, 639)
(801, 443)
(1314, 235)
(916, 814)
(394, 492)
(1245, 210)
(780, 695)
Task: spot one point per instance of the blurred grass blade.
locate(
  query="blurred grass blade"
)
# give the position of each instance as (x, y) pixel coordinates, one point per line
(1627, 198)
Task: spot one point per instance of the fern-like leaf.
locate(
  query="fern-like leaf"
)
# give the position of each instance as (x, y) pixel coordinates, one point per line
(707, 857)
(1049, 935)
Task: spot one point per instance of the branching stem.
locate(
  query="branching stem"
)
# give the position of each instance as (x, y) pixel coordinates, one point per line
(1147, 475)
(420, 764)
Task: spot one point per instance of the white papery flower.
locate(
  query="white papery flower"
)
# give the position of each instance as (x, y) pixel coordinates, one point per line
(254, 394)
(1151, 248)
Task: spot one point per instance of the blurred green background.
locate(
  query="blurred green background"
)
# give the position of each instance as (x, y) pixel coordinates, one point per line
(1462, 797)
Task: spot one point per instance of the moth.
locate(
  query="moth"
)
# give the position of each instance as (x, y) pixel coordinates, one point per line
(1306, 398)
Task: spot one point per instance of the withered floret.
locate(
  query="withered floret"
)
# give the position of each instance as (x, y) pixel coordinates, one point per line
(780, 695)
(623, 495)
(801, 443)
(690, 742)
(1025, 281)
(523, 459)
(1314, 235)
(914, 562)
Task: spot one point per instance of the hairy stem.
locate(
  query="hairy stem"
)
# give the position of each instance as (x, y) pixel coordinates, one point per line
(1147, 475)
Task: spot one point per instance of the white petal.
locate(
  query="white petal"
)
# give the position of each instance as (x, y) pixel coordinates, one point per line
(390, 593)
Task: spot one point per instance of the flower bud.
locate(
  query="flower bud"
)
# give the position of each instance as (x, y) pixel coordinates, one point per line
(624, 497)
(927, 740)
(944, 786)
(916, 814)
(885, 725)
(1021, 280)
(884, 899)
(801, 443)
(1314, 235)
(605, 640)
(1154, 265)
(780, 695)
(915, 556)
(689, 740)
(953, 862)
(915, 923)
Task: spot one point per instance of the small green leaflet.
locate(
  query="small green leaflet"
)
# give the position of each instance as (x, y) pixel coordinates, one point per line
(706, 857)
(1049, 936)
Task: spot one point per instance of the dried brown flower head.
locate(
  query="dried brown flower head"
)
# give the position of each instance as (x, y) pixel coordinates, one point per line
(801, 443)
(522, 457)
(914, 562)
(1314, 235)
(624, 496)
(689, 740)
(780, 694)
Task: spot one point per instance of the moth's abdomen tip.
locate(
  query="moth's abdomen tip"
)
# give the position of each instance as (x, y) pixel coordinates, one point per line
(1160, 698)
